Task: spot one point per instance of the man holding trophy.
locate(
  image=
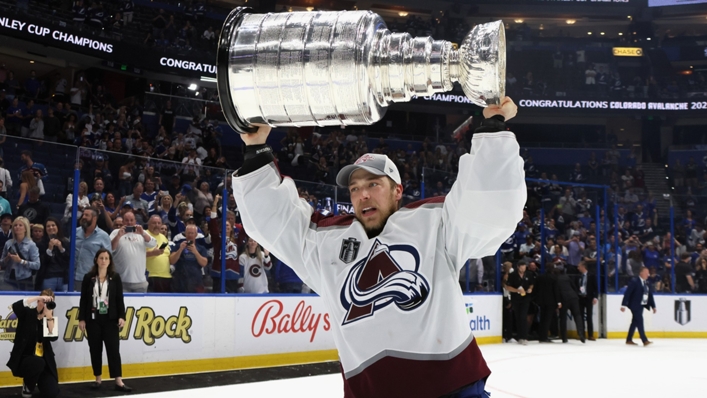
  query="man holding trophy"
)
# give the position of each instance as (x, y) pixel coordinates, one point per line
(388, 274)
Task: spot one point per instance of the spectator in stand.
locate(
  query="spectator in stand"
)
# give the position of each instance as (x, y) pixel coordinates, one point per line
(89, 239)
(567, 205)
(125, 174)
(137, 204)
(575, 248)
(234, 238)
(37, 233)
(28, 113)
(684, 281)
(177, 216)
(128, 8)
(38, 170)
(3, 129)
(5, 207)
(159, 22)
(168, 118)
(82, 202)
(254, 261)
(150, 196)
(5, 228)
(203, 199)
(14, 118)
(158, 266)
(36, 126)
(52, 126)
(191, 166)
(20, 257)
(105, 222)
(129, 244)
(189, 258)
(79, 13)
(209, 36)
(32, 85)
(34, 209)
(54, 258)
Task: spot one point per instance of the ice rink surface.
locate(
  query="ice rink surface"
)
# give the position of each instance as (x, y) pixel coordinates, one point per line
(670, 368)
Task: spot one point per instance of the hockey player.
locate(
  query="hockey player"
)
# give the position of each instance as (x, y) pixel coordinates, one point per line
(389, 274)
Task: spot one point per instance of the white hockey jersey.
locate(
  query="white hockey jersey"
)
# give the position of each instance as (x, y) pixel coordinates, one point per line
(398, 316)
(253, 269)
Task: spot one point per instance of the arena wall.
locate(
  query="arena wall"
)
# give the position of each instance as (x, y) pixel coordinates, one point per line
(180, 334)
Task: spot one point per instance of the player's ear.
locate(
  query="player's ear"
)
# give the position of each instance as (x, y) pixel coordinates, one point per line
(398, 192)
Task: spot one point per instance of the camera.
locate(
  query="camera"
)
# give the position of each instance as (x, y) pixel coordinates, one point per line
(50, 305)
(190, 242)
(129, 229)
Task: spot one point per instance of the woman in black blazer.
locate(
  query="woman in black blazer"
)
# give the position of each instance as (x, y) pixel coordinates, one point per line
(101, 315)
(32, 357)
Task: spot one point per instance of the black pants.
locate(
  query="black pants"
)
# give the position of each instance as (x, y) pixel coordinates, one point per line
(637, 322)
(99, 331)
(520, 310)
(573, 308)
(35, 372)
(507, 320)
(546, 312)
(586, 305)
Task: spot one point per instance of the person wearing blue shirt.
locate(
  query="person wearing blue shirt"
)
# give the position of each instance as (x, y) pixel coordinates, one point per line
(89, 240)
(651, 256)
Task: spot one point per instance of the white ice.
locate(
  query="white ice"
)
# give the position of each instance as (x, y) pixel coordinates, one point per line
(670, 368)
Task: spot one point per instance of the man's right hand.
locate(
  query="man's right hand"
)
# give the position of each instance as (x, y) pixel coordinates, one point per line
(259, 137)
(82, 325)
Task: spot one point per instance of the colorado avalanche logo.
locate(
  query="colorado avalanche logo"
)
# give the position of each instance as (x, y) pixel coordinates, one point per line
(255, 270)
(378, 281)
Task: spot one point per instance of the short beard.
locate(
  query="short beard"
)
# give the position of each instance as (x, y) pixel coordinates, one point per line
(376, 230)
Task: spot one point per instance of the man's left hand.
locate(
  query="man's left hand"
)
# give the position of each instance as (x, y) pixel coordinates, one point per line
(594, 301)
(655, 310)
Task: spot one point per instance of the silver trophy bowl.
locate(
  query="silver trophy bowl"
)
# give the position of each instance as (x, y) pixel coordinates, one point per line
(344, 68)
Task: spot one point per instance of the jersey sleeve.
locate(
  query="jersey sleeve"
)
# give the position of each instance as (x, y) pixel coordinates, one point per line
(273, 214)
(486, 202)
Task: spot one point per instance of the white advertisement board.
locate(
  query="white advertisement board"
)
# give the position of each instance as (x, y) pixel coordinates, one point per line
(192, 333)
(677, 316)
(485, 317)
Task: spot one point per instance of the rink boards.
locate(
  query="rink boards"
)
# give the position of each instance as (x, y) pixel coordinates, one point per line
(205, 333)
(678, 316)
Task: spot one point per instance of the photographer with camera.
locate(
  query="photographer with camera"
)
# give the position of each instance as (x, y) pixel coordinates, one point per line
(20, 257)
(129, 244)
(102, 315)
(32, 357)
(188, 258)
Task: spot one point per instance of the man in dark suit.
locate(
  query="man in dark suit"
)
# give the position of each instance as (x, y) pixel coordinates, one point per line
(547, 297)
(570, 302)
(588, 294)
(638, 296)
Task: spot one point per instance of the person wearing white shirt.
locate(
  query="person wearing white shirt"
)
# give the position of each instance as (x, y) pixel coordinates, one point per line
(129, 244)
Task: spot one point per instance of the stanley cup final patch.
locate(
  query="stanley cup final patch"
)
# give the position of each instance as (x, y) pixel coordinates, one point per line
(683, 311)
(349, 250)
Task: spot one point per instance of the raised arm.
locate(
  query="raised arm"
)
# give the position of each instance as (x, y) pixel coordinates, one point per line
(486, 202)
(271, 210)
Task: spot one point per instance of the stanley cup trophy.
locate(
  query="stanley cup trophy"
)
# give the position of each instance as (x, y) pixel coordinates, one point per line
(344, 68)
